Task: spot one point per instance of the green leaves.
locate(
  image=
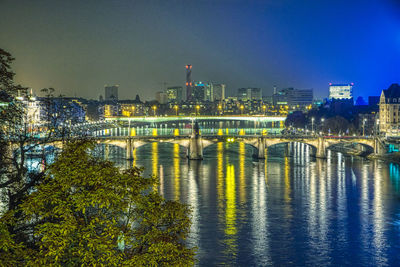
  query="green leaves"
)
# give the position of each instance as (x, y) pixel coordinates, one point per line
(88, 212)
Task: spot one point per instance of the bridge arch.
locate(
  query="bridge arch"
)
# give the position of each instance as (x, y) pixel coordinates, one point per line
(367, 145)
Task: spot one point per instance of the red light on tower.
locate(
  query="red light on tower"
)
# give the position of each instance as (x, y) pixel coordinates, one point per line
(330, 83)
(189, 82)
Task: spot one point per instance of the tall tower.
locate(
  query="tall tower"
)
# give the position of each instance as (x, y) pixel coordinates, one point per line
(188, 82)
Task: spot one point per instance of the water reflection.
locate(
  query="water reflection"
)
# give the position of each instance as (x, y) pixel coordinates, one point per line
(259, 209)
(242, 171)
(230, 213)
(176, 173)
(294, 210)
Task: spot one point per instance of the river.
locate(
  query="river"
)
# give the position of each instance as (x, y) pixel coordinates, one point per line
(289, 209)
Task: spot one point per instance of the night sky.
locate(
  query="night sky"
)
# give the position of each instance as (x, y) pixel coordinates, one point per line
(79, 46)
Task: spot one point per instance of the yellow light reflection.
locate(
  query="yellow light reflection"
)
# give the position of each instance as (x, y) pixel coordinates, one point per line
(264, 132)
(134, 157)
(220, 132)
(287, 180)
(230, 214)
(155, 132)
(242, 132)
(177, 172)
(176, 132)
(154, 154)
(227, 131)
(242, 187)
(133, 132)
(220, 173)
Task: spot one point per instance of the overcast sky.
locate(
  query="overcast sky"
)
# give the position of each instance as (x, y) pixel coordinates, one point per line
(79, 46)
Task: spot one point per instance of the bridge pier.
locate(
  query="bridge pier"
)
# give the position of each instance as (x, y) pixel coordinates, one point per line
(379, 148)
(129, 149)
(195, 148)
(321, 150)
(261, 148)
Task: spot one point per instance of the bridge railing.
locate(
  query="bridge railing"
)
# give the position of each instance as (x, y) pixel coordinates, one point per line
(164, 131)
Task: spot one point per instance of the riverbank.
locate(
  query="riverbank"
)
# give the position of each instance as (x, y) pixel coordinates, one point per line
(392, 157)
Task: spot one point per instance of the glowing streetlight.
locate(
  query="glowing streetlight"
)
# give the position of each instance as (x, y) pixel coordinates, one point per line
(264, 107)
(312, 125)
(322, 123)
(198, 109)
(364, 121)
(220, 108)
(154, 109)
(241, 108)
(176, 110)
(377, 127)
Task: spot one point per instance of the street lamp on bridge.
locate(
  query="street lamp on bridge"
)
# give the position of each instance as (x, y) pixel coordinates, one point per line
(377, 127)
(241, 108)
(220, 109)
(312, 125)
(264, 107)
(154, 109)
(176, 110)
(198, 109)
(364, 121)
(322, 125)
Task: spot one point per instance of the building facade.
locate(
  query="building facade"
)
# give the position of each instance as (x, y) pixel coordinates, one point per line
(218, 91)
(389, 111)
(293, 97)
(245, 94)
(174, 94)
(341, 91)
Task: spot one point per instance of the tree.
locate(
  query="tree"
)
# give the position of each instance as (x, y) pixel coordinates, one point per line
(88, 212)
(338, 125)
(296, 119)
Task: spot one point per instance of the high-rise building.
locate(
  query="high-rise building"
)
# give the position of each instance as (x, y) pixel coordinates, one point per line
(340, 91)
(111, 92)
(218, 91)
(198, 92)
(208, 91)
(202, 91)
(188, 82)
(174, 94)
(293, 97)
(245, 94)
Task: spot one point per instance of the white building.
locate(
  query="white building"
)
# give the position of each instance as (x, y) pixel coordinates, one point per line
(389, 110)
(341, 91)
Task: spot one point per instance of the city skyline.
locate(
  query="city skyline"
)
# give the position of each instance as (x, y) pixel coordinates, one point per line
(78, 47)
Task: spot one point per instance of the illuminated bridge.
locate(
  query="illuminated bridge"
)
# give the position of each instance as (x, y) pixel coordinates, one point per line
(260, 132)
(197, 142)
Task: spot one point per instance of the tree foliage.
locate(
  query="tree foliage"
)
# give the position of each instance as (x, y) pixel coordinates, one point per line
(296, 119)
(338, 125)
(88, 212)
